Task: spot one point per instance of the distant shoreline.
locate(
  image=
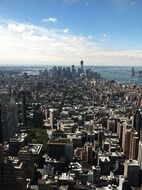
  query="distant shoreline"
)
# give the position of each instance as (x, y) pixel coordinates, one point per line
(116, 73)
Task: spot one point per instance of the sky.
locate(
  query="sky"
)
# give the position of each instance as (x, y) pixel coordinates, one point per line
(63, 32)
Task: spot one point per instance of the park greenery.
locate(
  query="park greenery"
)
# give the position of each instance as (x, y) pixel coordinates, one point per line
(38, 136)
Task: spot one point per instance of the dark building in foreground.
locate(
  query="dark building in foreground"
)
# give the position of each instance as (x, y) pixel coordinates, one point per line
(134, 174)
(1, 137)
(13, 175)
(59, 149)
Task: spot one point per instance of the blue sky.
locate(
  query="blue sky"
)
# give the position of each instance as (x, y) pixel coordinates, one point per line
(102, 32)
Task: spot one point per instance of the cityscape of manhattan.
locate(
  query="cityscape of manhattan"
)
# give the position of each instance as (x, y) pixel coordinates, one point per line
(70, 95)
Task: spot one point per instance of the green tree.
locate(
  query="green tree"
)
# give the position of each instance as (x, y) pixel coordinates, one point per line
(38, 136)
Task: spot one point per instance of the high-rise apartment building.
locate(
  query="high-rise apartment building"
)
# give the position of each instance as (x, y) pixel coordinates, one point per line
(131, 144)
(138, 121)
(140, 151)
(134, 140)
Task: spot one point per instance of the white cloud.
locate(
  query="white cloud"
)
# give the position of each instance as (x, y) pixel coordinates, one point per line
(86, 4)
(105, 35)
(16, 28)
(66, 30)
(133, 3)
(123, 4)
(50, 19)
(90, 37)
(104, 38)
(74, 2)
(28, 43)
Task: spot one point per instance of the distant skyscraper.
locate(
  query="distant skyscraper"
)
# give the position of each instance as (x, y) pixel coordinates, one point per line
(24, 117)
(12, 117)
(73, 70)
(51, 118)
(81, 64)
(133, 72)
(138, 121)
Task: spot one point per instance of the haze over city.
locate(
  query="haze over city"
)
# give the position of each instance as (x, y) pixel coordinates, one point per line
(105, 32)
(70, 95)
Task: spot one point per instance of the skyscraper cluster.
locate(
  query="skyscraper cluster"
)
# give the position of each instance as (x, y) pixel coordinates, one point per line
(68, 128)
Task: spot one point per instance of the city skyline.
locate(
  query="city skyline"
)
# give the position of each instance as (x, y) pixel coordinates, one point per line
(106, 32)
